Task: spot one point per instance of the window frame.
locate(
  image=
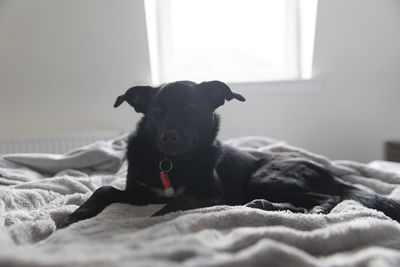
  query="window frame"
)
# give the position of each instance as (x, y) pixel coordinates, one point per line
(159, 32)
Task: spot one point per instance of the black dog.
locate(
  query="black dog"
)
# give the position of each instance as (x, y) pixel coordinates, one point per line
(175, 158)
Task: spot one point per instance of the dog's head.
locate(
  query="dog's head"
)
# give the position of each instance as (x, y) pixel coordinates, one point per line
(181, 114)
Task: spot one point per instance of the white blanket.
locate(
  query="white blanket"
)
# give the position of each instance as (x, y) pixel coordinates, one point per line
(38, 190)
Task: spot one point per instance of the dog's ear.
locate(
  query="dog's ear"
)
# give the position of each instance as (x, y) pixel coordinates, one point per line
(218, 92)
(138, 97)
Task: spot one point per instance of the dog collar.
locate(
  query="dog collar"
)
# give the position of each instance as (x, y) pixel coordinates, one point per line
(166, 166)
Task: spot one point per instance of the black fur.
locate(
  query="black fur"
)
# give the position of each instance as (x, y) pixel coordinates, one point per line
(179, 125)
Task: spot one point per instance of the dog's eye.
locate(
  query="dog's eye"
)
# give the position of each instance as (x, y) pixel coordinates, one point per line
(157, 110)
(190, 106)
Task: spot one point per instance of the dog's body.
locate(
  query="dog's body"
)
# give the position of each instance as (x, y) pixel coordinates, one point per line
(175, 158)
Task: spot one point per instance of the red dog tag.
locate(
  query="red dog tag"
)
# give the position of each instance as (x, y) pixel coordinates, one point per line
(168, 189)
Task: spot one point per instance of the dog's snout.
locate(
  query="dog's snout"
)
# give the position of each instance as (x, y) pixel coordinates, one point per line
(170, 137)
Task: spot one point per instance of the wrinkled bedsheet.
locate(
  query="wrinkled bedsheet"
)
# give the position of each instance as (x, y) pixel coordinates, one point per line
(38, 190)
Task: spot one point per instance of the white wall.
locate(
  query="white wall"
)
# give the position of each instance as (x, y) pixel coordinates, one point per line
(62, 63)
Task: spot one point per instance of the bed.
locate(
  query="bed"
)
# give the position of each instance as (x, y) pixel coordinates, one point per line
(38, 190)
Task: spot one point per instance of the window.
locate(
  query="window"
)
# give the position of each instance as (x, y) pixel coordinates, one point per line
(230, 40)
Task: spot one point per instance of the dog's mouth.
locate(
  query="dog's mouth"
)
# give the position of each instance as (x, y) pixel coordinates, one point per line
(176, 149)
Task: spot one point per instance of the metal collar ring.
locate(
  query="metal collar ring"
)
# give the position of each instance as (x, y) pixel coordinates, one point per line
(166, 162)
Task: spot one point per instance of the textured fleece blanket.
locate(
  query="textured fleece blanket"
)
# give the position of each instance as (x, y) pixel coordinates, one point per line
(38, 190)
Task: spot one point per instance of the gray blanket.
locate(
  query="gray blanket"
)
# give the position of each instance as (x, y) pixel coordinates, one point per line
(38, 190)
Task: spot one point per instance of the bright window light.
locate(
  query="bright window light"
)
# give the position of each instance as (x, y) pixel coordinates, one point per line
(230, 40)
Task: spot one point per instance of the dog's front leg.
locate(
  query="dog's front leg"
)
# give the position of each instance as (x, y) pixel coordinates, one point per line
(186, 202)
(100, 199)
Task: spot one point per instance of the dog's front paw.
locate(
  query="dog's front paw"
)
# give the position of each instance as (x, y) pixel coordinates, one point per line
(318, 210)
(66, 222)
(70, 219)
(261, 204)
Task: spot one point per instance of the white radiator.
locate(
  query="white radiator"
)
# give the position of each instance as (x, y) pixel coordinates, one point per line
(52, 143)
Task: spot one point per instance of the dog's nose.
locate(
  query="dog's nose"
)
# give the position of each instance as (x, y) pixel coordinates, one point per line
(170, 137)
